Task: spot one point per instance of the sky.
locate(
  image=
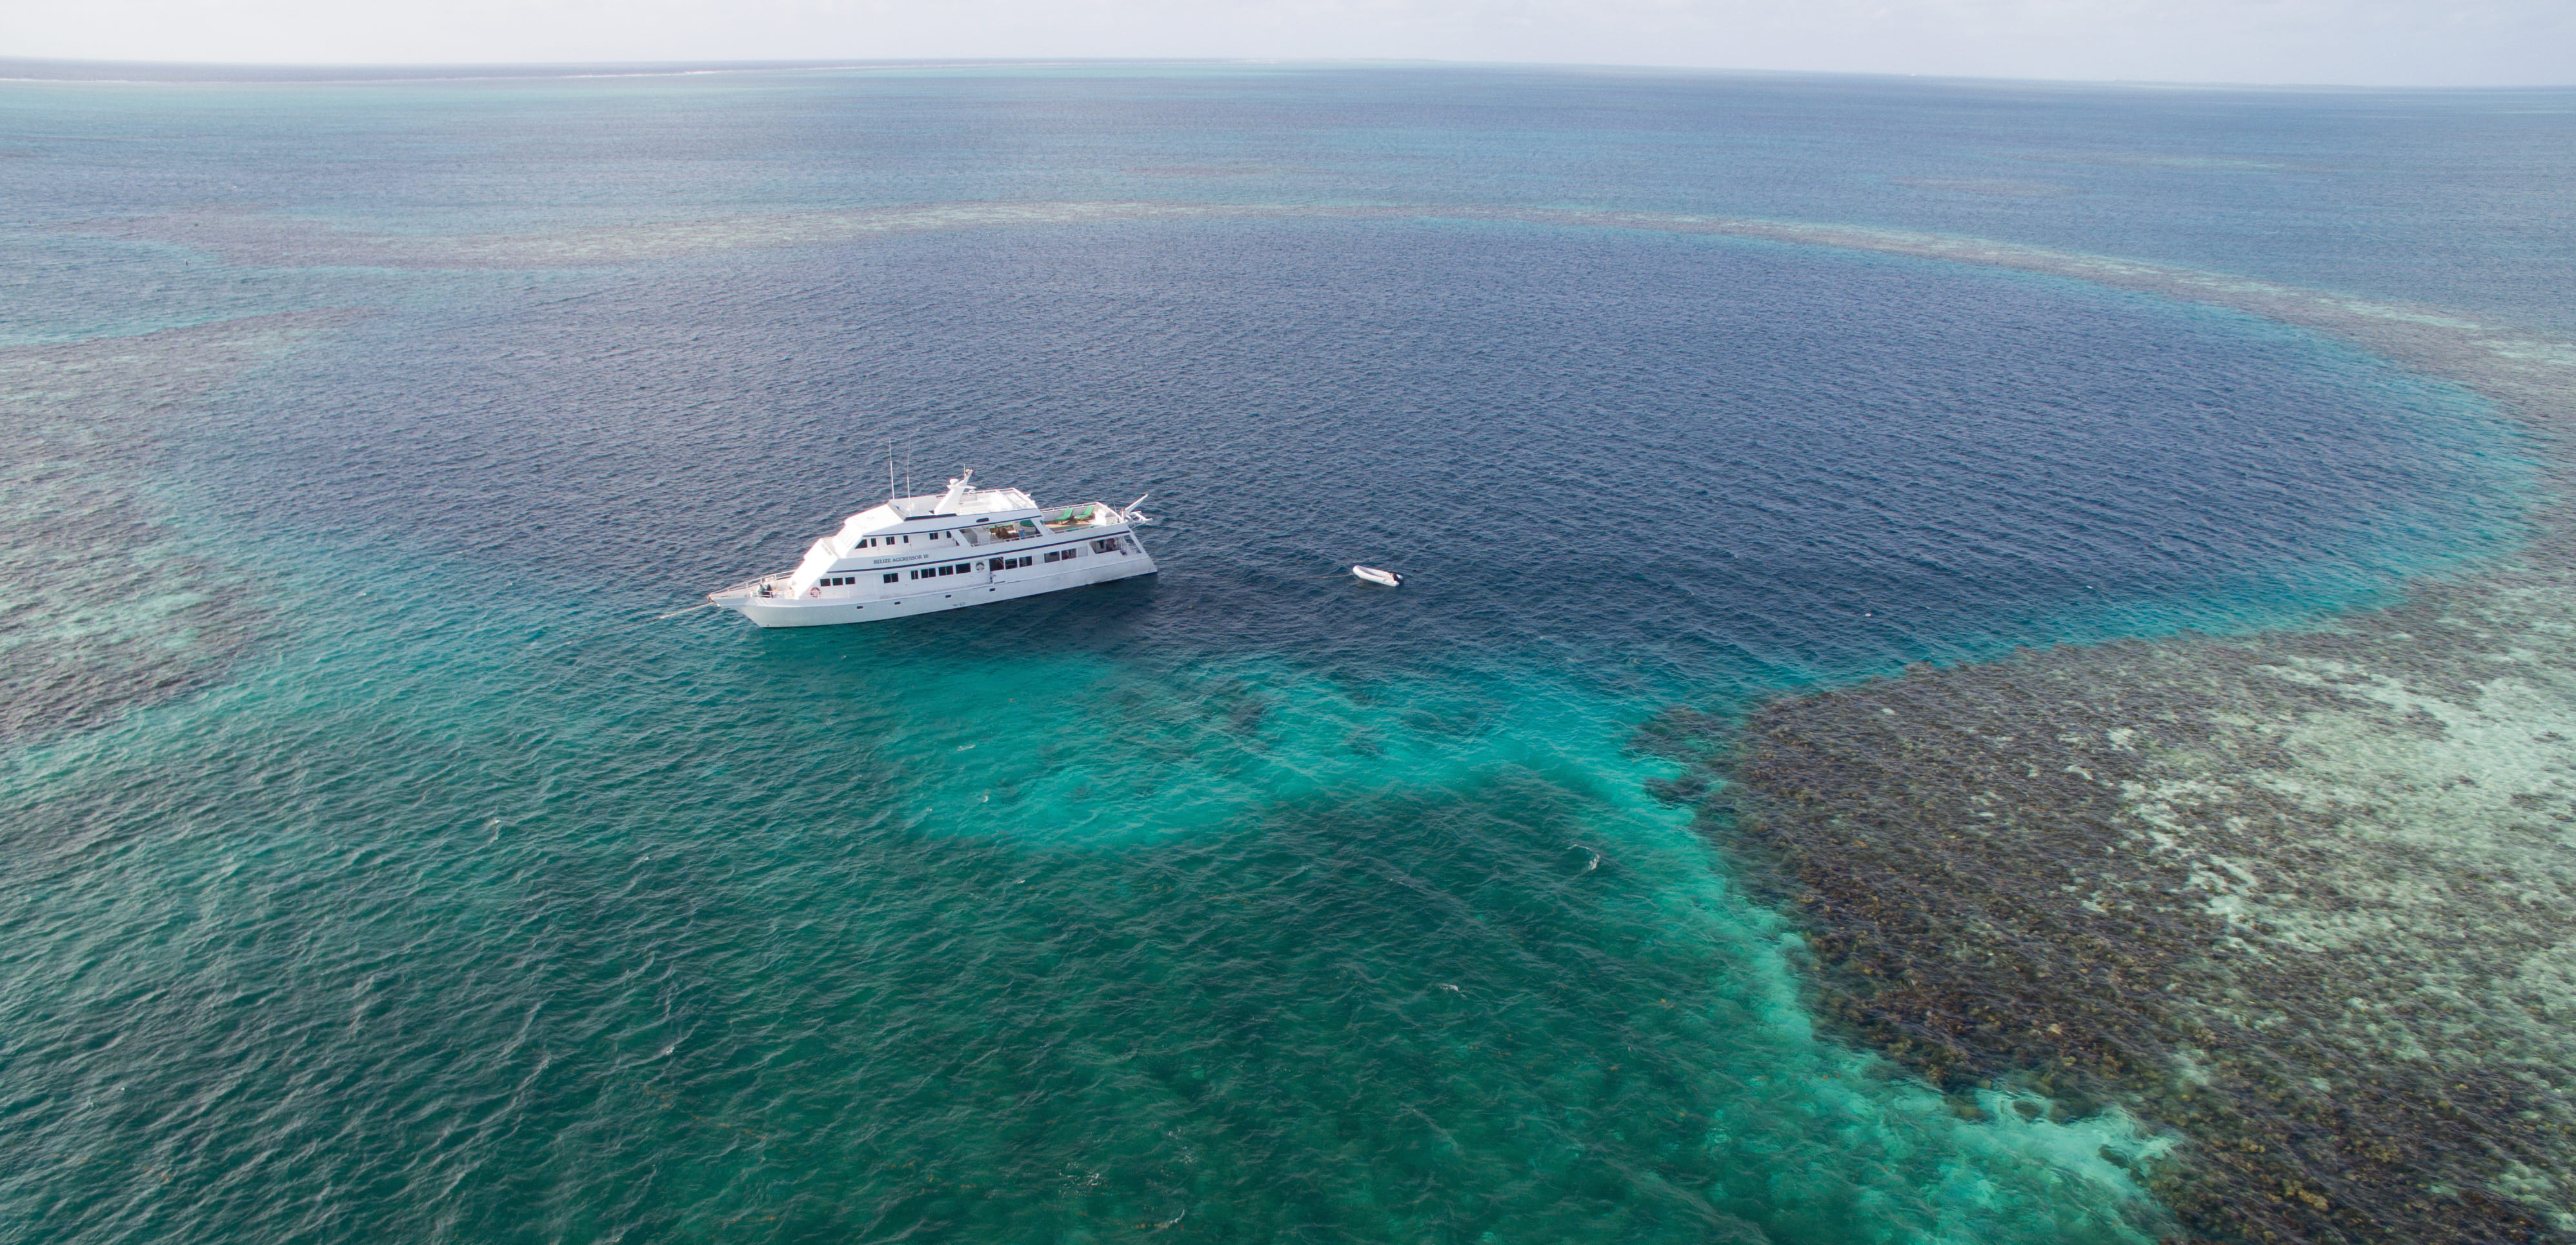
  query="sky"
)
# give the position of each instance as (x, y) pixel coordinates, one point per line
(2339, 42)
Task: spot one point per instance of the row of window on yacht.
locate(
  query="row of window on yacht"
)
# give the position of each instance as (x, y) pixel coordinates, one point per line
(1109, 545)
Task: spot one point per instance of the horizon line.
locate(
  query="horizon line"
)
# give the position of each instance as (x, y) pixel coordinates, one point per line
(15, 69)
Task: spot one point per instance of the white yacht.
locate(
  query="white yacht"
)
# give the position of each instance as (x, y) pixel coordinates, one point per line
(945, 551)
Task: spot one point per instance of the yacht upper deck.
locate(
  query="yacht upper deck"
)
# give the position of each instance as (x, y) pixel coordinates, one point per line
(961, 501)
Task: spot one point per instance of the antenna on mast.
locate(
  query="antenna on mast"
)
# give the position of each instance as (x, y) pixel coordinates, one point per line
(889, 470)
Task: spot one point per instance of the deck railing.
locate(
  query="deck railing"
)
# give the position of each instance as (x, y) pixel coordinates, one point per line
(751, 587)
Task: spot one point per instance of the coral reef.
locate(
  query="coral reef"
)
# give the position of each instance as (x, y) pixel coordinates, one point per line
(104, 603)
(2306, 898)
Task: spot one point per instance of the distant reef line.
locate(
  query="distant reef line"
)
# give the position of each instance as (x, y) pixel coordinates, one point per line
(2491, 357)
(2527, 373)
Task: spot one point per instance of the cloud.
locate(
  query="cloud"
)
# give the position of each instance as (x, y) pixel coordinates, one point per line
(2394, 42)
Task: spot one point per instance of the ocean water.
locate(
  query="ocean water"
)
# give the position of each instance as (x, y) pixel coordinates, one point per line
(485, 898)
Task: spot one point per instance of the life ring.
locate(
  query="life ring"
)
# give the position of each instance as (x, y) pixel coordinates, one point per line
(815, 591)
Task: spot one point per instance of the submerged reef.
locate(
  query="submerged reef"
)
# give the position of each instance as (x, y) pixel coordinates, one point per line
(2308, 899)
(105, 604)
(268, 239)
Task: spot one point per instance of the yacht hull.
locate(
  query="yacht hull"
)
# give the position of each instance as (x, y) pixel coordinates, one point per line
(936, 596)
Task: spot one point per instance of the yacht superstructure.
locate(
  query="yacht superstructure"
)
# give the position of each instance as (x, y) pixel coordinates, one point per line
(944, 551)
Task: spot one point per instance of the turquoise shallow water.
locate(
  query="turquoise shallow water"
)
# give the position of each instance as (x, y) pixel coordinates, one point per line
(1242, 904)
(548, 944)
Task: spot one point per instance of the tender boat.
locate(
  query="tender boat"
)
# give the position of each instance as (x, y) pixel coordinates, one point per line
(1376, 576)
(945, 551)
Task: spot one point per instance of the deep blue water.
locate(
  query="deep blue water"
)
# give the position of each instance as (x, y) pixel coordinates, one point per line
(1244, 903)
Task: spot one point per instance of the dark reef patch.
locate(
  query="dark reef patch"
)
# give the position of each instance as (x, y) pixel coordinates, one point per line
(104, 604)
(2251, 890)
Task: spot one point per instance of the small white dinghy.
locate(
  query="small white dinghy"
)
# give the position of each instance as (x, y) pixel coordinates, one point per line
(1373, 575)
